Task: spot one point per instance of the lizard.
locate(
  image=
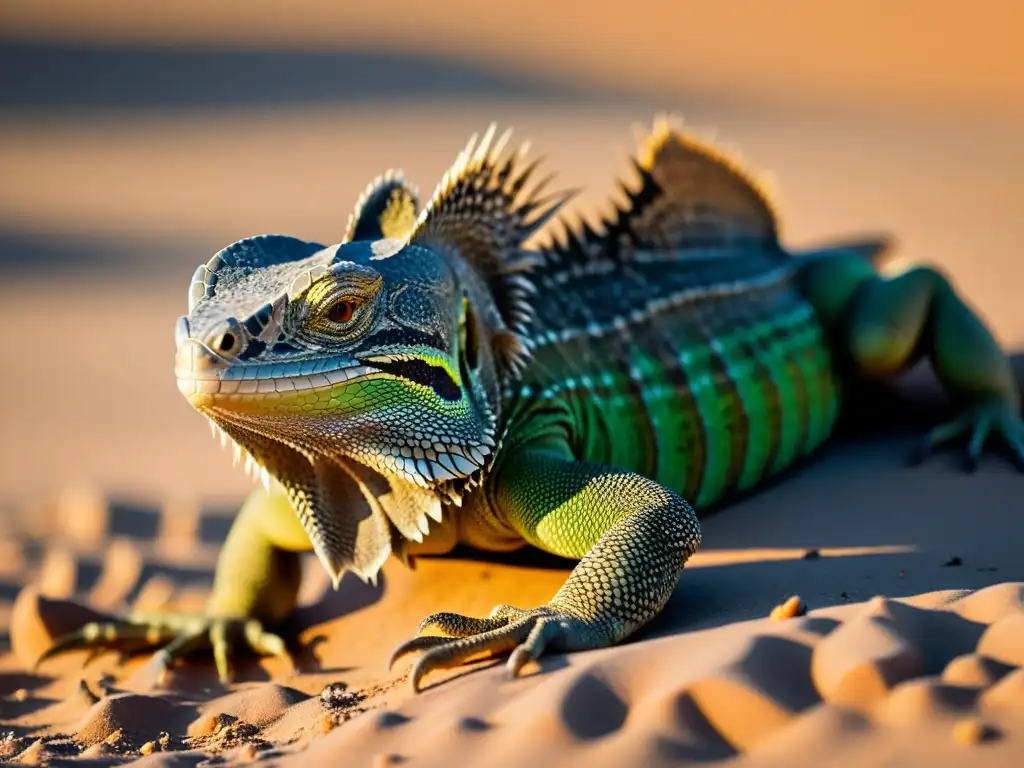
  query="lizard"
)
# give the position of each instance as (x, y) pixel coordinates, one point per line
(434, 379)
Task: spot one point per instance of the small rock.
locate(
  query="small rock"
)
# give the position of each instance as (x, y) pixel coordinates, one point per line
(20, 695)
(147, 749)
(953, 562)
(207, 725)
(972, 731)
(337, 696)
(811, 554)
(115, 738)
(792, 608)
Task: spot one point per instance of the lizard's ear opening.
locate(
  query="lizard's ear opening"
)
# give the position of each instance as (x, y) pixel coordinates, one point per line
(469, 336)
(387, 208)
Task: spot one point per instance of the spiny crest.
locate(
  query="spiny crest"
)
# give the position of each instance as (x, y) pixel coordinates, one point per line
(482, 212)
(698, 178)
(692, 195)
(387, 208)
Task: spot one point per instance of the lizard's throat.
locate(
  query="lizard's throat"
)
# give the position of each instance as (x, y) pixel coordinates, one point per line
(356, 510)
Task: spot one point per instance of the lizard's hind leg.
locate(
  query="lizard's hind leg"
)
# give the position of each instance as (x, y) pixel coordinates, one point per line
(891, 322)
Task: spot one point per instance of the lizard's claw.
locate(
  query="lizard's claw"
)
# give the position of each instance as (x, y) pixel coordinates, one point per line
(180, 634)
(526, 633)
(978, 423)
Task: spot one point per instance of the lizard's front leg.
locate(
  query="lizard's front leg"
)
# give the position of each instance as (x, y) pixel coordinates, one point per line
(256, 584)
(633, 536)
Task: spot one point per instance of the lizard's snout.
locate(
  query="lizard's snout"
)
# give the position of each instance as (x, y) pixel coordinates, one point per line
(197, 369)
(224, 342)
(199, 363)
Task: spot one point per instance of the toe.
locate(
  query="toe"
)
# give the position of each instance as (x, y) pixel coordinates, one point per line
(456, 652)
(457, 625)
(417, 644)
(936, 438)
(101, 636)
(980, 433)
(156, 668)
(221, 645)
(542, 633)
(266, 643)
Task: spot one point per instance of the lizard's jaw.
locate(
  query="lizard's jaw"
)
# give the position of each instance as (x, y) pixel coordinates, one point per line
(208, 381)
(342, 407)
(358, 489)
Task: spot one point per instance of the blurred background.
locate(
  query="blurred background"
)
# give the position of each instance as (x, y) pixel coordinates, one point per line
(137, 138)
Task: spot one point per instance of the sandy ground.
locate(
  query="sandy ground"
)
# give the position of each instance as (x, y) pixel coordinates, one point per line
(930, 674)
(134, 161)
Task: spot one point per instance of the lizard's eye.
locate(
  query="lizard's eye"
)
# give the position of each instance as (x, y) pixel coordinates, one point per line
(342, 310)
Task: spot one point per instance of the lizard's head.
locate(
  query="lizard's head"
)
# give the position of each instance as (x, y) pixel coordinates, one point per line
(366, 377)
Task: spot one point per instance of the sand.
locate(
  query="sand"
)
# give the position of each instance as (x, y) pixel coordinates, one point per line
(859, 612)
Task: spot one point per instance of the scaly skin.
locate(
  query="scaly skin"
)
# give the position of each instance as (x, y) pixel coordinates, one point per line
(570, 398)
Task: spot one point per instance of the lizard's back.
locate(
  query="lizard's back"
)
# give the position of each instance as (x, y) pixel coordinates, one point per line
(676, 343)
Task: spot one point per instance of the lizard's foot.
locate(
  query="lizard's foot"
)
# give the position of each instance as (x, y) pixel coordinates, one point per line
(181, 633)
(526, 633)
(978, 422)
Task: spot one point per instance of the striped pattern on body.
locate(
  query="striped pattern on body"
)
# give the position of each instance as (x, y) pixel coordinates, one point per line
(705, 374)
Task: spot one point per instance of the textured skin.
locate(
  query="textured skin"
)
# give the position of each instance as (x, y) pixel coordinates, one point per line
(578, 395)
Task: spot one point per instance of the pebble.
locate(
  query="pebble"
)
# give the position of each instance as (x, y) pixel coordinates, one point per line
(792, 608)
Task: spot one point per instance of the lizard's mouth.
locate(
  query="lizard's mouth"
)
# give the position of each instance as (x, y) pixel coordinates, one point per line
(208, 380)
